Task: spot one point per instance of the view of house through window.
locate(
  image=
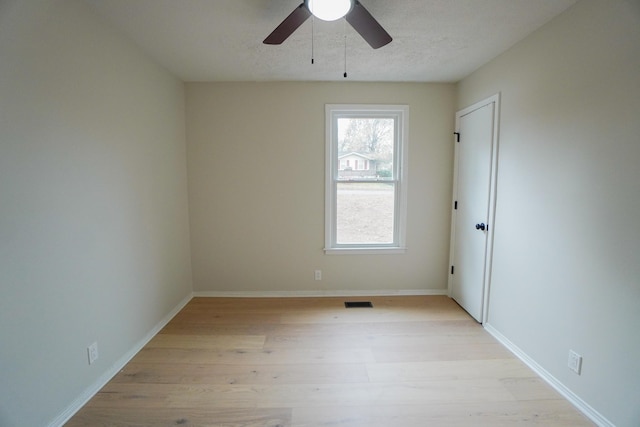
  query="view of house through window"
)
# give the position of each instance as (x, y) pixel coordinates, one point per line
(365, 199)
(365, 191)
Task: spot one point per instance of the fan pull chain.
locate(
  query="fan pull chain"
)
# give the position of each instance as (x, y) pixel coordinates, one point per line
(313, 20)
(345, 48)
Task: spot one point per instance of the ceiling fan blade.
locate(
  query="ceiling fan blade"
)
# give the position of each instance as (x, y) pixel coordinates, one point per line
(366, 25)
(289, 25)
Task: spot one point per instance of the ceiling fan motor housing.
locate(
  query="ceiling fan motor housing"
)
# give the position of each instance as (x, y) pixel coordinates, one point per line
(329, 10)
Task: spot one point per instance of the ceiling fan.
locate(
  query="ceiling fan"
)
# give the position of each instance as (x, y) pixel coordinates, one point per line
(330, 10)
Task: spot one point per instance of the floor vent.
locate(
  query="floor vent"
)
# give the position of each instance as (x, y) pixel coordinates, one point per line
(358, 304)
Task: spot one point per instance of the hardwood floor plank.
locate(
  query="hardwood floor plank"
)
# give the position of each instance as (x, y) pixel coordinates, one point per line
(335, 395)
(430, 327)
(142, 396)
(162, 373)
(190, 417)
(446, 351)
(253, 356)
(151, 396)
(226, 318)
(209, 342)
(556, 413)
(208, 328)
(530, 388)
(414, 341)
(511, 369)
(374, 315)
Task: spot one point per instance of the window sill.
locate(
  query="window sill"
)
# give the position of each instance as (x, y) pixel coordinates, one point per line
(364, 251)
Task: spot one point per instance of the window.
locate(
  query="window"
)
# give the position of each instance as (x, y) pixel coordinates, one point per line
(365, 207)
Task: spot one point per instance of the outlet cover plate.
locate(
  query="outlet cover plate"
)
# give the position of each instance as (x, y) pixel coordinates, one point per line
(92, 352)
(575, 362)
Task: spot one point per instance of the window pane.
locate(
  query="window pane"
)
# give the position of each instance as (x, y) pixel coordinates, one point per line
(365, 148)
(366, 170)
(365, 212)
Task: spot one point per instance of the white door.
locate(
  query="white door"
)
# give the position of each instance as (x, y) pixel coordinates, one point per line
(472, 219)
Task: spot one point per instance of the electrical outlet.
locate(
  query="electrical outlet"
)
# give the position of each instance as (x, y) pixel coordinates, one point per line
(92, 352)
(575, 362)
(318, 274)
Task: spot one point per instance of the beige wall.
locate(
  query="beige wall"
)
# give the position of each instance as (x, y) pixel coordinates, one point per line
(93, 203)
(256, 188)
(566, 271)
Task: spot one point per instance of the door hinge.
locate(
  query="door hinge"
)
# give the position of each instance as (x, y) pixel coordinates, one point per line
(452, 269)
(455, 205)
(457, 134)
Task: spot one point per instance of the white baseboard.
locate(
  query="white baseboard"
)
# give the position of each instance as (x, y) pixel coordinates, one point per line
(580, 404)
(316, 293)
(94, 388)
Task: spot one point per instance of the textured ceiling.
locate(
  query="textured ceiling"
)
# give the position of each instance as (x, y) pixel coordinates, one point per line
(221, 40)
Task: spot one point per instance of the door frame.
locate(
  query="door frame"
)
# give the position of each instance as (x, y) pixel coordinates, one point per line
(495, 99)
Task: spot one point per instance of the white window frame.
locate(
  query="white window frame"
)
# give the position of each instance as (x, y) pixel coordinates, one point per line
(400, 113)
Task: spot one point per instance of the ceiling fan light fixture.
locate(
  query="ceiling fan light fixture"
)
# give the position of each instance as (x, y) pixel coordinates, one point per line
(329, 10)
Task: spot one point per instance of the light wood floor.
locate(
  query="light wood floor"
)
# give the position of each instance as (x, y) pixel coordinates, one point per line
(407, 362)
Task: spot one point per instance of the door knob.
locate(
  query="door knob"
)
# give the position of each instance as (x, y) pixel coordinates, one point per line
(481, 226)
